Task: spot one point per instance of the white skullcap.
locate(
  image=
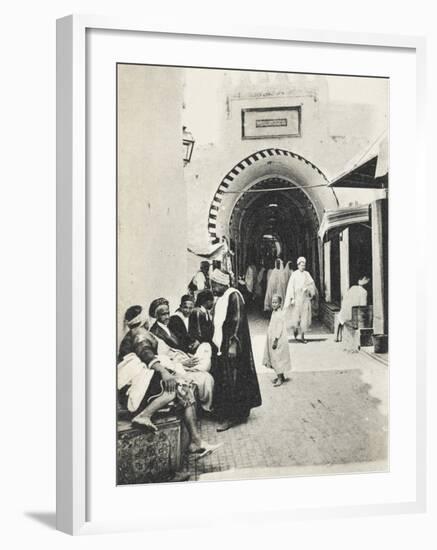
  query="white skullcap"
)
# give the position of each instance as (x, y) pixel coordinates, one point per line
(219, 277)
(301, 260)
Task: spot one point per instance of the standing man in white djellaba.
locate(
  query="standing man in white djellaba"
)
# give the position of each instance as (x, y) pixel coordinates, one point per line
(275, 285)
(300, 290)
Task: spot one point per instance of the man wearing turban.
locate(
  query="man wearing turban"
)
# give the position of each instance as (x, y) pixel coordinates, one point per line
(300, 291)
(197, 365)
(200, 280)
(148, 380)
(236, 383)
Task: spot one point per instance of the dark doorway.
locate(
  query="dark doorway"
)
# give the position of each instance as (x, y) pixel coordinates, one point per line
(360, 255)
(270, 221)
(335, 271)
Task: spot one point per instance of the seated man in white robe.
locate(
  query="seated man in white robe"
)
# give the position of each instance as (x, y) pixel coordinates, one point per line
(198, 374)
(145, 384)
(197, 366)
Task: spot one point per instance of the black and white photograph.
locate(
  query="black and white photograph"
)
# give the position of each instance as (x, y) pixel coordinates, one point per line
(220, 218)
(252, 274)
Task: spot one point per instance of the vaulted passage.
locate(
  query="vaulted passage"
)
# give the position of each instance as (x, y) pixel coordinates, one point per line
(274, 218)
(271, 203)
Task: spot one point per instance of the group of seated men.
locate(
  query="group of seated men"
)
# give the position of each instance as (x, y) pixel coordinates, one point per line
(169, 359)
(176, 351)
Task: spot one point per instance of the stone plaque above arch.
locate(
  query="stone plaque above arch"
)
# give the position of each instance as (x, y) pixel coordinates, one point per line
(271, 122)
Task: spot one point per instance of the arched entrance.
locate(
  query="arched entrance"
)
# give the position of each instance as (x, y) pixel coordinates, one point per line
(275, 218)
(273, 198)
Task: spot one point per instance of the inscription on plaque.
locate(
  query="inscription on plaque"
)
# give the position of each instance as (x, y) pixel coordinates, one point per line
(271, 122)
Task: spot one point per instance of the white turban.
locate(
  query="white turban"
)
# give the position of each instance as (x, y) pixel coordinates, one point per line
(301, 260)
(140, 319)
(219, 277)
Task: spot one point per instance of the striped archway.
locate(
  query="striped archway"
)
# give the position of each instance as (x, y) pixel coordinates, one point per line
(267, 163)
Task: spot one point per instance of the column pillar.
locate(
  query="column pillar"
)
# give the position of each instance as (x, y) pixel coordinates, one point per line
(377, 267)
(344, 262)
(313, 259)
(321, 279)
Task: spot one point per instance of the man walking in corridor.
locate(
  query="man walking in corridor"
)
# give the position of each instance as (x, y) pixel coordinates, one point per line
(237, 388)
(301, 290)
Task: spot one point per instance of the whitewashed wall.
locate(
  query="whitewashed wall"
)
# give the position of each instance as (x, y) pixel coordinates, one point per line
(152, 210)
(341, 119)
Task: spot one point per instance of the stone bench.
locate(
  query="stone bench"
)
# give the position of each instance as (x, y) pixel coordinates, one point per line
(147, 457)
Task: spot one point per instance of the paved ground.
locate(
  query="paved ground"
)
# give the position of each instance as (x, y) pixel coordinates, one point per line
(330, 417)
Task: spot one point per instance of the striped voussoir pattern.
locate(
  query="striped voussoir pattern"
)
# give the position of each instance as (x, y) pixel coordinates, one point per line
(226, 182)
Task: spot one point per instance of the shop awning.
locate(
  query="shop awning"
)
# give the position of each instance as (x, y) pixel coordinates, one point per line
(212, 252)
(369, 172)
(340, 218)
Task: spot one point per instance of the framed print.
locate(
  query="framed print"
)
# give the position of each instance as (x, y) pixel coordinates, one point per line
(231, 217)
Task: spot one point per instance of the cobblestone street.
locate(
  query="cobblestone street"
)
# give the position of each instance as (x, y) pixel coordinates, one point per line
(329, 417)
